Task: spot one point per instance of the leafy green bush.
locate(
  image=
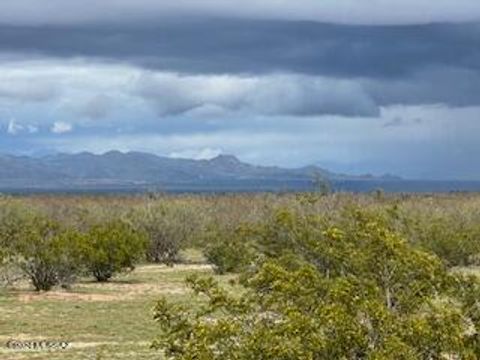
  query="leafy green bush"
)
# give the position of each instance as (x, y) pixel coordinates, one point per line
(230, 251)
(454, 237)
(112, 247)
(327, 290)
(48, 254)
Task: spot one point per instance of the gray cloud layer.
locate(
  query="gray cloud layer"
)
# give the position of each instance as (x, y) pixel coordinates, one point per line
(271, 95)
(418, 64)
(28, 12)
(24, 90)
(260, 46)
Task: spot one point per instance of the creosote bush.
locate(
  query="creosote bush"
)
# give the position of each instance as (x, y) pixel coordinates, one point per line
(230, 251)
(48, 254)
(327, 289)
(169, 227)
(454, 237)
(112, 247)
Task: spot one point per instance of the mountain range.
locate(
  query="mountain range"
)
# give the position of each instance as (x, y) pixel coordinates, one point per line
(136, 170)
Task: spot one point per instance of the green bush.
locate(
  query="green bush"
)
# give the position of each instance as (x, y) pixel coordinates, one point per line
(37, 246)
(454, 237)
(230, 251)
(112, 247)
(328, 290)
(47, 253)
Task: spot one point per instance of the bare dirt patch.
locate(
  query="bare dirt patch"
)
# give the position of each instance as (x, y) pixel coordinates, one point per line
(116, 290)
(176, 268)
(126, 290)
(64, 295)
(119, 293)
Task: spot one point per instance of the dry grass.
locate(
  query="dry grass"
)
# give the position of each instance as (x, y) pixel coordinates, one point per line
(108, 321)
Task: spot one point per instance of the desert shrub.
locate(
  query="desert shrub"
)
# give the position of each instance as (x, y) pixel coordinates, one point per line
(11, 225)
(168, 227)
(327, 290)
(13, 217)
(10, 269)
(47, 253)
(36, 246)
(112, 247)
(230, 251)
(455, 244)
(453, 236)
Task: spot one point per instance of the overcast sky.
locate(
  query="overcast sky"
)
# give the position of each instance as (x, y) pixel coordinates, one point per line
(372, 86)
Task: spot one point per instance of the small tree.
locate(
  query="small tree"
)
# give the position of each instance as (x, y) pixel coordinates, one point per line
(112, 247)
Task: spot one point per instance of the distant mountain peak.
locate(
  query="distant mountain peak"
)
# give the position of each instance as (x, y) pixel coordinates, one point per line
(226, 159)
(113, 153)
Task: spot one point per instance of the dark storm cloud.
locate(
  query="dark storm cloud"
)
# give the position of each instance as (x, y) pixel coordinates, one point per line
(260, 46)
(452, 86)
(402, 64)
